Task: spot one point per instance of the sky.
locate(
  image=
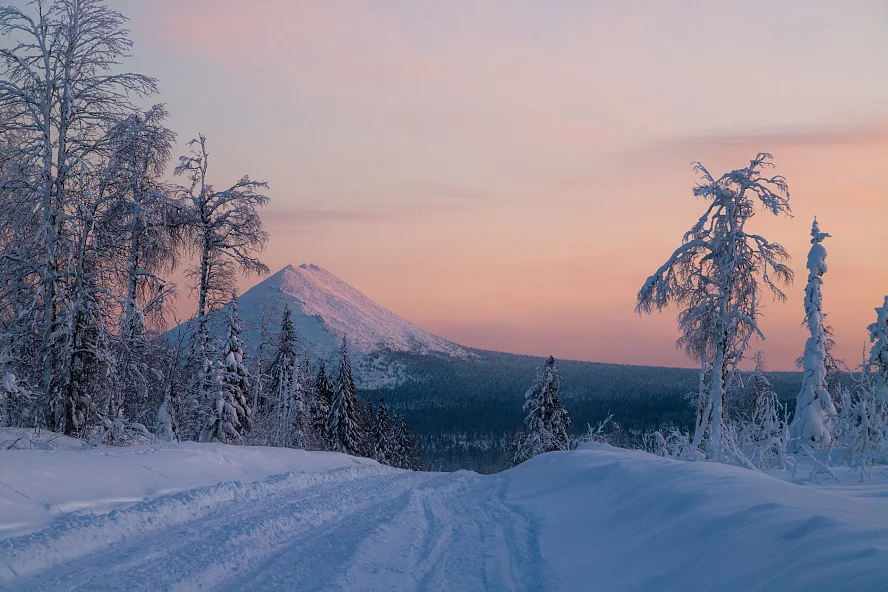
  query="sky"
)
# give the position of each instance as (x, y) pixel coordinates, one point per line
(507, 174)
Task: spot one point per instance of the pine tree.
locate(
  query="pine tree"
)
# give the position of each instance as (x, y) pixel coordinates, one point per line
(547, 421)
(381, 434)
(814, 405)
(323, 400)
(343, 429)
(230, 413)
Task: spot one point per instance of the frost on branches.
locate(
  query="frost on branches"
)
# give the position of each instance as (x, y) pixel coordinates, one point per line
(547, 421)
(716, 276)
(230, 412)
(814, 406)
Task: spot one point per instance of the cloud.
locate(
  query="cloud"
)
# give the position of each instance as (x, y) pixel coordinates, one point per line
(861, 134)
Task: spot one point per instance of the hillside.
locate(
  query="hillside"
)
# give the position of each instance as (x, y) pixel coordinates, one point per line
(464, 410)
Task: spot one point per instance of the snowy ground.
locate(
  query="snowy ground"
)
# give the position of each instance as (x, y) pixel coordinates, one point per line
(192, 516)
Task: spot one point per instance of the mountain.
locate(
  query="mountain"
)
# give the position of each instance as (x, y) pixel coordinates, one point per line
(323, 309)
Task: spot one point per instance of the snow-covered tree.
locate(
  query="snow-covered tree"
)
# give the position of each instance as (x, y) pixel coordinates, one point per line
(814, 405)
(230, 412)
(365, 426)
(282, 373)
(406, 453)
(382, 440)
(61, 89)
(227, 233)
(860, 427)
(321, 403)
(144, 228)
(343, 429)
(716, 276)
(547, 422)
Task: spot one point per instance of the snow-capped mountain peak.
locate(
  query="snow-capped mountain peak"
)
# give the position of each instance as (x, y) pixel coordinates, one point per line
(324, 309)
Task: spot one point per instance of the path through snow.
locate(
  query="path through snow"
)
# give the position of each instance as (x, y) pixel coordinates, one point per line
(593, 519)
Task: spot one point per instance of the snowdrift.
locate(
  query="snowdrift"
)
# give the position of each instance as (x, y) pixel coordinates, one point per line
(37, 486)
(206, 516)
(614, 519)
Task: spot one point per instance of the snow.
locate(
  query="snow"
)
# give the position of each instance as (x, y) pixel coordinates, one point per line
(211, 516)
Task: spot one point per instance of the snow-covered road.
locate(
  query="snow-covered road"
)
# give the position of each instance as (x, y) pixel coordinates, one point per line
(348, 529)
(213, 517)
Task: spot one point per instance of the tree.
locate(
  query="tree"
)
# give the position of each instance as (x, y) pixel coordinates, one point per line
(227, 233)
(230, 412)
(343, 429)
(547, 421)
(406, 453)
(381, 434)
(323, 400)
(814, 405)
(716, 275)
(282, 373)
(143, 228)
(60, 93)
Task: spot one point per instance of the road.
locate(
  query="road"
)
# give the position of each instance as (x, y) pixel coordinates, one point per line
(368, 528)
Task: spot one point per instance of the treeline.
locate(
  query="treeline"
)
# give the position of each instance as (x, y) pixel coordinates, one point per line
(90, 232)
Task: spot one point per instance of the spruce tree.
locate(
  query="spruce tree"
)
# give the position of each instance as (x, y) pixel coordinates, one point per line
(283, 376)
(281, 372)
(343, 429)
(366, 421)
(547, 421)
(229, 416)
(405, 452)
(323, 400)
(381, 436)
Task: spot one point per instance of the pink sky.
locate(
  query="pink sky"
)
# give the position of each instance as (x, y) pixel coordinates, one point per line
(506, 174)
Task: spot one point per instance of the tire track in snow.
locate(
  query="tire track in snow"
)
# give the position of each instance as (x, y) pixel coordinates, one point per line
(77, 536)
(350, 529)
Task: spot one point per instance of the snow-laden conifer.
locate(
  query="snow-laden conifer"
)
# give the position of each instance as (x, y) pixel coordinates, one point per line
(323, 399)
(230, 411)
(717, 275)
(381, 434)
(814, 405)
(343, 429)
(547, 421)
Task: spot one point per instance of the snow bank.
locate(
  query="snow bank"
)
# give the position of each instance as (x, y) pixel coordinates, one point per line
(37, 486)
(613, 519)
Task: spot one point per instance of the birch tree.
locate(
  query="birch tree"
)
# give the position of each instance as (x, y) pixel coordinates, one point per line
(717, 276)
(61, 91)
